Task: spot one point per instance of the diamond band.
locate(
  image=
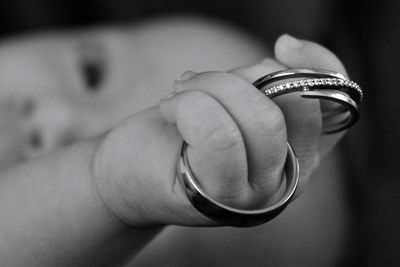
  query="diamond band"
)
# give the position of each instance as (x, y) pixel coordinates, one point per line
(318, 84)
(315, 78)
(308, 84)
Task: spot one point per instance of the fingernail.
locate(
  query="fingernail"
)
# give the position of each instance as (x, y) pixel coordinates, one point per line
(186, 75)
(291, 42)
(169, 96)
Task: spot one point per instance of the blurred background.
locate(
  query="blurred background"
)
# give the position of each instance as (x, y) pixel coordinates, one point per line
(364, 34)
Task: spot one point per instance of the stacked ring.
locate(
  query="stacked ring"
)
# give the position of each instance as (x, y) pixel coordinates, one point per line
(313, 83)
(319, 84)
(318, 78)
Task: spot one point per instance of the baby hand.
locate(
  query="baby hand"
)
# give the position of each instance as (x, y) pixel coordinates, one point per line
(236, 142)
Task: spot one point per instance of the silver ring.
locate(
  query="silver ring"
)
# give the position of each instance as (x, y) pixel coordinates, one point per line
(330, 125)
(232, 216)
(319, 84)
(318, 78)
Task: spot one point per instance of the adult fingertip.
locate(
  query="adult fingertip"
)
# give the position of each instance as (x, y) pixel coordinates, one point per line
(287, 45)
(297, 53)
(289, 42)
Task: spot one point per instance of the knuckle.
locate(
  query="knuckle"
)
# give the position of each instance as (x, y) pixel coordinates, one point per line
(208, 123)
(271, 119)
(223, 137)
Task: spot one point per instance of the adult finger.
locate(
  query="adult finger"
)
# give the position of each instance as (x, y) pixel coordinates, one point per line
(296, 53)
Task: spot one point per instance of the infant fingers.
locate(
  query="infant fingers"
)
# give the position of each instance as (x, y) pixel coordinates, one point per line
(302, 117)
(261, 125)
(216, 147)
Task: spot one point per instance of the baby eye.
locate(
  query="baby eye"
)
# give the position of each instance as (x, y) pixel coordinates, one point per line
(92, 66)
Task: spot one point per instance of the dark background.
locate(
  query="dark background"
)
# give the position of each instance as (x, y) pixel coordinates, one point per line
(364, 34)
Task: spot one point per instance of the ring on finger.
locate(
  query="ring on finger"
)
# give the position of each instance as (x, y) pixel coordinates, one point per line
(227, 215)
(317, 84)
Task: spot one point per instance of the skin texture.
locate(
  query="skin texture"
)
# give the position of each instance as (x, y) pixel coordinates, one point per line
(126, 141)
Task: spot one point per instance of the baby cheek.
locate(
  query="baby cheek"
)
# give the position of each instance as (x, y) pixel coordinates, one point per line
(11, 136)
(34, 127)
(10, 145)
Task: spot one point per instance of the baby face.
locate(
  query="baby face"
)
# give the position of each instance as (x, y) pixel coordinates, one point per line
(59, 88)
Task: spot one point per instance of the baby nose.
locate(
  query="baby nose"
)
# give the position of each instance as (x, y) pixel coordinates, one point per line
(47, 125)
